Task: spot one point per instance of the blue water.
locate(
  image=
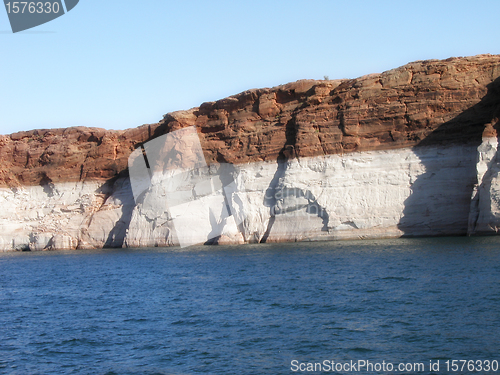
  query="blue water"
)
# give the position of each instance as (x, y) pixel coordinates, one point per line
(249, 309)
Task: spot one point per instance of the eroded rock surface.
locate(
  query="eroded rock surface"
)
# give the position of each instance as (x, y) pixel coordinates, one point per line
(386, 154)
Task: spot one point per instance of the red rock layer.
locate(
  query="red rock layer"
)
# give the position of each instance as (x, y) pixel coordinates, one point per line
(424, 102)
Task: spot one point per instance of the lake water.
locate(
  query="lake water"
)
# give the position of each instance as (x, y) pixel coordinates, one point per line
(253, 309)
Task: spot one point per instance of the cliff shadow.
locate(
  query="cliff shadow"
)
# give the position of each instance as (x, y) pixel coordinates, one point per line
(119, 189)
(440, 198)
(276, 193)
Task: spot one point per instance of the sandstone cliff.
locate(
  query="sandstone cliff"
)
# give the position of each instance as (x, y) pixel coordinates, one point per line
(411, 151)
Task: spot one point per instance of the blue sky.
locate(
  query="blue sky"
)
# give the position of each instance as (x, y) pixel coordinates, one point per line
(120, 64)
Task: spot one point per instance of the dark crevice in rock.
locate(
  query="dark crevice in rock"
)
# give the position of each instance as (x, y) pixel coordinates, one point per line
(116, 237)
(47, 185)
(213, 235)
(272, 219)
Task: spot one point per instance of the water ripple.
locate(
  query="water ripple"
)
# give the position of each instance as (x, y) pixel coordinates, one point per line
(249, 309)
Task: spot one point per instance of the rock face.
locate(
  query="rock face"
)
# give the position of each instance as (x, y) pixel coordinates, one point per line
(411, 151)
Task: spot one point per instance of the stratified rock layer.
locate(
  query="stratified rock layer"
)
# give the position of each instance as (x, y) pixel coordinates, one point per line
(386, 154)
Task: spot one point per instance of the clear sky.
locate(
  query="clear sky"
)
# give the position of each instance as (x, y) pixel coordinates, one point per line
(118, 64)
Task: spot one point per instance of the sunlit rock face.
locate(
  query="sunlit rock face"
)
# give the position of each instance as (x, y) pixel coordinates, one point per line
(408, 152)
